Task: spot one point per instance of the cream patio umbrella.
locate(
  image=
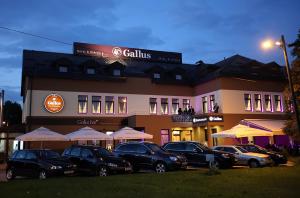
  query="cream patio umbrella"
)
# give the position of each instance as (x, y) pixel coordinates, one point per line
(87, 133)
(240, 131)
(41, 134)
(128, 133)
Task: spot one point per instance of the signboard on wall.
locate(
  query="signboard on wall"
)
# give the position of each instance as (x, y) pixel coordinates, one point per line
(198, 119)
(115, 52)
(54, 103)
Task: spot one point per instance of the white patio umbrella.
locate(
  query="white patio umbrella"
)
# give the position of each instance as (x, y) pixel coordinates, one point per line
(240, 130)
(87, 133)
(41, 134)
(128, 133)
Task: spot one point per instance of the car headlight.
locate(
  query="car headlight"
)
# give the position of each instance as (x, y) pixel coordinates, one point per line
(112, 165)
(225, 155)
(55, 167)
(174, 159)
(278, 155)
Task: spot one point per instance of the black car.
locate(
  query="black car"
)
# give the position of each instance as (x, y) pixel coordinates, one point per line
(147, 155)
(96, 160)
(37, 163)
(200, 155)
(277, 158)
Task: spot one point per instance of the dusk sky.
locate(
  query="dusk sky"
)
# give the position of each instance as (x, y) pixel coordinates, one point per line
(201, 30)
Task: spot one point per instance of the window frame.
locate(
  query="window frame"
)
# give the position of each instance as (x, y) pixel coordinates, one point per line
(150, 102)
(113, 103)
(94, 101)
(126, 105)
(164, 103)
(260, 100)
(87, 104)
(251, 103)
(271, 103)
(204, 104)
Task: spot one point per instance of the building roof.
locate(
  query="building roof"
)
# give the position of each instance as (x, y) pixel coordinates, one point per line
(45, 64)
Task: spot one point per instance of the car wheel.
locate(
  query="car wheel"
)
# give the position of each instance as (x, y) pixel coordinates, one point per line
(253, 164)
(160, 167)
(10, 174)
(42, 174)
(103, 172)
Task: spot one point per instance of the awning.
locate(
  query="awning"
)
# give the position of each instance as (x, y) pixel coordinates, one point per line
(87, 133)
(240, 130)
(276, 126)
(128, 133)
(41, 134)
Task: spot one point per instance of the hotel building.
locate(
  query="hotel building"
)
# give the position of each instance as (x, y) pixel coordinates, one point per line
(106, 88)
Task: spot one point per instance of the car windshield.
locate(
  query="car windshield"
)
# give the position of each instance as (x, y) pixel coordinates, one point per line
(103, 152)
(260, 148)
(203, 147)
(155, 147)
(241, 149)
(51, 155)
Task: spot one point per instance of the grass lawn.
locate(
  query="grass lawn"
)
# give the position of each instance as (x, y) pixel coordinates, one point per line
(261, 182)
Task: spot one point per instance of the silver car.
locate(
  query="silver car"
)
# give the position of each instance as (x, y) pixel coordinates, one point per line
(245, 158)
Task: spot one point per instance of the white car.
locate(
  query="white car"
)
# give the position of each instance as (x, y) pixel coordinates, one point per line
(245, 158)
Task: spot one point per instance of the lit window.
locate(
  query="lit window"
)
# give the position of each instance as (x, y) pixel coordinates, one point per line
(164, 106)
(156, 75)
(178, 77)
(268, 103)
(257, 104)
(247, 100)
(175, 106)
(90, 71)
(204, 104)
(96, 104)
(82, 104)
(185, 104)
(212, 102)
(63, 69)
(277, 103)
(109, 104)
(117, 72)
(153, 106)
(122, 101)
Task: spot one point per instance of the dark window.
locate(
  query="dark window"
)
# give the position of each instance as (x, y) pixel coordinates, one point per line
(117, 72)
(21, 155)
(104, 152)
(67, 151)
(206, 134)
(86, 153)
(141, 149)
(51, 155)
(63, 69)
(219, 149)
(229, 150)
(75, 152)
(90, 70)
(191, 147)
(128, 148)
(31, 156)
(175, 146)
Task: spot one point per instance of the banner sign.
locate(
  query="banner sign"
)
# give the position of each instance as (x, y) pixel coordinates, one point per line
(114, 52)
(197, 119)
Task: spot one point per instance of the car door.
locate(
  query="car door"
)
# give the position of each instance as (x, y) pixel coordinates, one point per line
(74, 157)
(176, 148)
(87, 160)
(128, 152)
(195, 155)
(237, 155)
(18, 164)
(143, 156)
(31, 164)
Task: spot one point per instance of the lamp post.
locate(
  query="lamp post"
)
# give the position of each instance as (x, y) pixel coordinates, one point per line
(282, 44)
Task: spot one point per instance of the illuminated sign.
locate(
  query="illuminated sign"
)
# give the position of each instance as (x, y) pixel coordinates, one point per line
(54, 103)
(113, 52)
(197, 119)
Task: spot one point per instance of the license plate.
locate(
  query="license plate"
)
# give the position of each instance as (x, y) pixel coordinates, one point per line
(68, 172)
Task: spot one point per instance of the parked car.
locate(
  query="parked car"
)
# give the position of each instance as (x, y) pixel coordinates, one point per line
(96, 160)
(200, 155)
(277, 157)
(37, 163)
(147, 155)
(245, 158)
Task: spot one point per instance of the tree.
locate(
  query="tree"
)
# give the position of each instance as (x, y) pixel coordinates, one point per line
(291, 127)
(12, 113)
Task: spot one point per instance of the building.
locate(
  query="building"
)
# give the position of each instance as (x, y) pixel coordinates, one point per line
(107, 88)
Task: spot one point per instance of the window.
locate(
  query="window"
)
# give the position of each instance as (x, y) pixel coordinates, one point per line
(109, 104)
(117, 72)
(96, 104)
(257, 102)
(20, 155)
(63, 69)
(178, 77)
(229, 150)
(268, 103)
(153, 106)
(204, 104)
(31, 156)
(122, 101)
(86, 153)
(247, 100)
(75, 152)
(164, 106)
(90, 71)
(277, 103)
(212, 102)
(141, 149)
(175, 105)
(175, 146)
(185, 104)
(82, 104)
(156, 75)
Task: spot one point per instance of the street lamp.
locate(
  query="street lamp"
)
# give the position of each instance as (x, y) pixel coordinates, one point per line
(281, 43)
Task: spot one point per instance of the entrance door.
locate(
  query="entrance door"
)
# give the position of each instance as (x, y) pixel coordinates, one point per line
(164, 135)
(215, 140)
(176, 136)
